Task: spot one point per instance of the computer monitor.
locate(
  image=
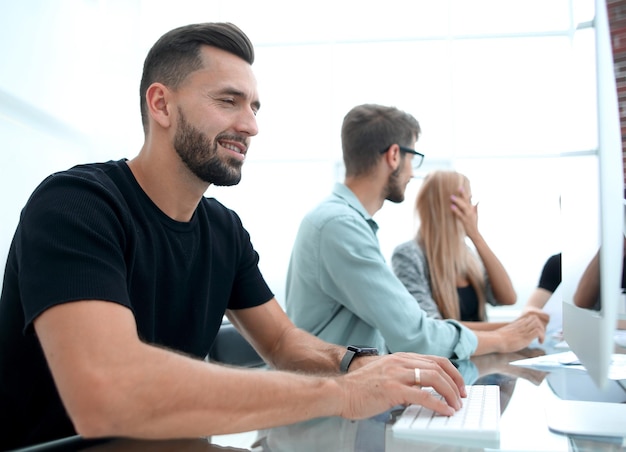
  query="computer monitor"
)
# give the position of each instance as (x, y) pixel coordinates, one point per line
(593, 222)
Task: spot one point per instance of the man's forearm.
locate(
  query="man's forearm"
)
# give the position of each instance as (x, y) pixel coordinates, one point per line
(483, 326)
(301, 351)
(169, 395)
(488, 342)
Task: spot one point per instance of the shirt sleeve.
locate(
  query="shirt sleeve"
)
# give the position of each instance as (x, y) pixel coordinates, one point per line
(355, 272)
(551, 274)
(70, 227)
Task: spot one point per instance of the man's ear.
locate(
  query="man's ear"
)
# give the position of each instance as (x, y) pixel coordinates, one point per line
(157, 101)
(393, 157)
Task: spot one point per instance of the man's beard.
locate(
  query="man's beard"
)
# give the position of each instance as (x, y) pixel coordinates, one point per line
(200, 155)
(395, 193)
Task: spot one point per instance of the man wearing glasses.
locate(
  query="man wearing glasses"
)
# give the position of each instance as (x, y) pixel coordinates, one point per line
(339, 286)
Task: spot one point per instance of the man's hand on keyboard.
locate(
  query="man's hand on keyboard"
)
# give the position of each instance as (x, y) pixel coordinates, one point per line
(476, 424)
(389, 380)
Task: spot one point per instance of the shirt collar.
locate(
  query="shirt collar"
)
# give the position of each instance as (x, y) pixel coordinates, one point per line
(342, 191)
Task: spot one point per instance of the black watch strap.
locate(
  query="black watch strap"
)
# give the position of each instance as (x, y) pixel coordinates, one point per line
(346, 360)
(351, 352)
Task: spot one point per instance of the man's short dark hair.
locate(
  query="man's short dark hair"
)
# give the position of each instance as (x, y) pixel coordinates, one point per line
(177, 53)
(367, 129)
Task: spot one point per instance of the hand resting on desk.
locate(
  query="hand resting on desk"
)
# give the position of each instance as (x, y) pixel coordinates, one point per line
(512, 336)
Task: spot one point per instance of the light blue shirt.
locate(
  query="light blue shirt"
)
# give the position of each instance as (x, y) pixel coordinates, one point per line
(340, 288)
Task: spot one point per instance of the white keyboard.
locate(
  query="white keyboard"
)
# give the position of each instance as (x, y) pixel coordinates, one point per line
(476, 424)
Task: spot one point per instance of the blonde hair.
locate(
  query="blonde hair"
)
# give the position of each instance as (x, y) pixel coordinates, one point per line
(442, 237)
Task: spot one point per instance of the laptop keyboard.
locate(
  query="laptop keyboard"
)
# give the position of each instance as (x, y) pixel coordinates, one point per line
(477, 423)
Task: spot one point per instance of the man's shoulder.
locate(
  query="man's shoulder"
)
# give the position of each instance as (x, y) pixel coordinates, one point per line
(93, 170)
(89, 179)
(332, 209)
(104, 173)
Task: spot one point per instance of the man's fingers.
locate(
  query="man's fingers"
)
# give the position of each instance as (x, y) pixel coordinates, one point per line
(442, 366)
(441, 375)
(430, 401)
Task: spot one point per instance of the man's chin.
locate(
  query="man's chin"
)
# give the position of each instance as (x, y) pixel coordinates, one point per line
(226, 183)
(396, 198)
(227, 180)
(224, 176)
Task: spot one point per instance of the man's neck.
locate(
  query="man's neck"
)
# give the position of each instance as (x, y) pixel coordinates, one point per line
(367, 191)
(169, 184)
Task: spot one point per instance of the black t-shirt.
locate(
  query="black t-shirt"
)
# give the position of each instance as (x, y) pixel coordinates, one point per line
(92, 233)
(551, 274)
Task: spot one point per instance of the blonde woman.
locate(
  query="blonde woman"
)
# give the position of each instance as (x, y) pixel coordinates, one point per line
(447, 278)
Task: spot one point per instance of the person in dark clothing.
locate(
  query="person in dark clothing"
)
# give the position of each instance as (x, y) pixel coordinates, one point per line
(119, 275)
(549, 280)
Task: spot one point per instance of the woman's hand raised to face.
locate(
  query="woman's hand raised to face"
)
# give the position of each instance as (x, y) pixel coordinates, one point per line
(462, 207)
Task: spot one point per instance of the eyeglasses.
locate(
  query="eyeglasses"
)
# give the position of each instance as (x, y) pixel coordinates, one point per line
(418, 158)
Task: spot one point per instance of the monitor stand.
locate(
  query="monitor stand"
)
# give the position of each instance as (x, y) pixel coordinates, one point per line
(586, 418)
(582, 409)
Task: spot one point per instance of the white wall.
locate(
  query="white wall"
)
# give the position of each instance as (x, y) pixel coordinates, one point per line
(500, 87)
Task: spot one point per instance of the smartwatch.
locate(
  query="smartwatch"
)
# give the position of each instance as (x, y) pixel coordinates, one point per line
(354, 351)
